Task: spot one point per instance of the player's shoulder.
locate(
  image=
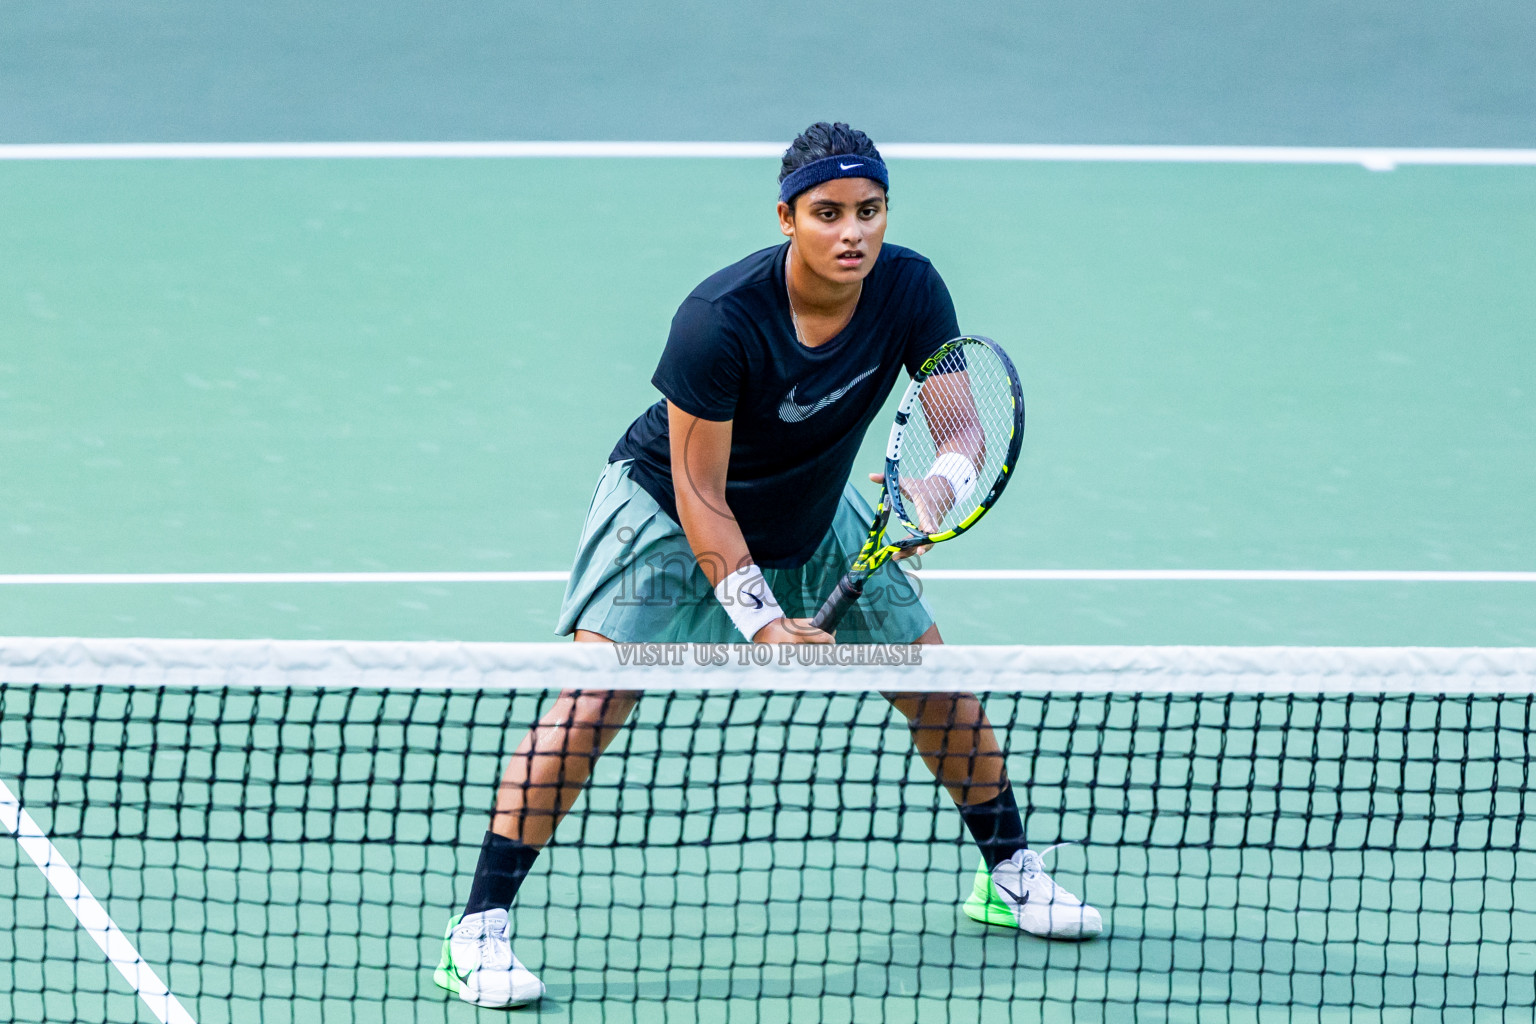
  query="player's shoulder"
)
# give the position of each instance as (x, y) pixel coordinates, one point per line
(900, 255)
(901, 267)
(746, 275)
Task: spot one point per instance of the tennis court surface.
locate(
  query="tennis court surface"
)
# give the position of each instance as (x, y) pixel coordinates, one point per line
(1313, 369)
(370, 366)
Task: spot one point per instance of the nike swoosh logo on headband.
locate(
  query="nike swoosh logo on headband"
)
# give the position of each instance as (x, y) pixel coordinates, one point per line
(848, 167)
(791, 411)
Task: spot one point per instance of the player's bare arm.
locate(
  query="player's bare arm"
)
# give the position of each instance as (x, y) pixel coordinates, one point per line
(701, 455)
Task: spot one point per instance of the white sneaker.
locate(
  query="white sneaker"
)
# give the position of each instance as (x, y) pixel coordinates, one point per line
(1019, 894)
(478, 963)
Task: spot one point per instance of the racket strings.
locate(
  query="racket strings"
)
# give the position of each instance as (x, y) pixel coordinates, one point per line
(964, 412)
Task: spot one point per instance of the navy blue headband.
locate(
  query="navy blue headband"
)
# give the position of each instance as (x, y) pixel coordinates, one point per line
(819, 172)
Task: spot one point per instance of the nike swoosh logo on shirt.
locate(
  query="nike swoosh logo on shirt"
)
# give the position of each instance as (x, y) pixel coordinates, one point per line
(791, 411)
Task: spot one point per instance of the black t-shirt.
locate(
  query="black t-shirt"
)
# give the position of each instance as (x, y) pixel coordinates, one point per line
(799, 413)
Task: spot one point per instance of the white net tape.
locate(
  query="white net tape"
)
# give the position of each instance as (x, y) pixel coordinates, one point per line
(521, 666)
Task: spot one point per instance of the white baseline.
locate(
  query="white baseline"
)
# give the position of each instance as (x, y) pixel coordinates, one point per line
(1372, 158)
(977, 575)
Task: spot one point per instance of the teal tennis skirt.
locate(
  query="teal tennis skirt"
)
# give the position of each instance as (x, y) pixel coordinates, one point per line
(635, 578)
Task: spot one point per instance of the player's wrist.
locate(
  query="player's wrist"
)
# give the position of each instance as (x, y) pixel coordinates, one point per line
(765, 634)
(959, 471)
(747, 599)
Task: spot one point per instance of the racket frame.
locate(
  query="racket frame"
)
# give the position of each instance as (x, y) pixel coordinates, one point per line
(877, 549)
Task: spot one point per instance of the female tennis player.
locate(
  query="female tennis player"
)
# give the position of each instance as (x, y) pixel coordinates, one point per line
(725, 513)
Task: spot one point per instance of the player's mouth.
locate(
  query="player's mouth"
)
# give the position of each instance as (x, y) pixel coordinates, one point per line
(851, 258)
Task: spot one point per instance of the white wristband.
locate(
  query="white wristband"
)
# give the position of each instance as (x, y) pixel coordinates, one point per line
(747, 600)
(959, 471)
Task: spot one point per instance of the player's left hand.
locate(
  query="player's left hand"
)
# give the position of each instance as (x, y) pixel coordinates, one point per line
(931, 497)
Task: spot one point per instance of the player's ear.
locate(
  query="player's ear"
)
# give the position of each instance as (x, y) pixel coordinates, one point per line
(787, 219)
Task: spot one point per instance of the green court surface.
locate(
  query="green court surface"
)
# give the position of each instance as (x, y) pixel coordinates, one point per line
(421, 365)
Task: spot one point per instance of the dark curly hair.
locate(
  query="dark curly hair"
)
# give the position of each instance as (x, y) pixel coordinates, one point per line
(822, 140)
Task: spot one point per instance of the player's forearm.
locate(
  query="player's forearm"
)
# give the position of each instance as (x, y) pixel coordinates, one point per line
(738, 583)
(970, 442)
(712, 533)
(953, 419)
(701, 459)
(962, 434)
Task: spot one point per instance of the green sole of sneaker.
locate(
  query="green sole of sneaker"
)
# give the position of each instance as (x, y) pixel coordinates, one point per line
(989, 913)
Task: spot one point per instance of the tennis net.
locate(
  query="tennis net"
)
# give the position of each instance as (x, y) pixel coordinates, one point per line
(279, 832)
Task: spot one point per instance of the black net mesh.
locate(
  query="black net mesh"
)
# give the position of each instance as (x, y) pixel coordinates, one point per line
(295, 855)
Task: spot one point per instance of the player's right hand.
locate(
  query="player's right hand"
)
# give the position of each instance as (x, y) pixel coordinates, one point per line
(791, 631)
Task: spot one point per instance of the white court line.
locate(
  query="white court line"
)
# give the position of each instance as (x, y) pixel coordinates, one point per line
(1233, 575)
(980, 575)
(1373, 158)
(185, 578)
(91, 914)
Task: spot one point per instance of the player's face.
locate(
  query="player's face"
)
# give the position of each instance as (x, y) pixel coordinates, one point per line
(837, 228)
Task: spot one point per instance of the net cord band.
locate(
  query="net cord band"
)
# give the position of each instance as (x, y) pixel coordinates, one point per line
(438, 665)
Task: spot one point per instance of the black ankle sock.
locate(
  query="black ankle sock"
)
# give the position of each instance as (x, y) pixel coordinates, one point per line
(996, 826)
(504, 863)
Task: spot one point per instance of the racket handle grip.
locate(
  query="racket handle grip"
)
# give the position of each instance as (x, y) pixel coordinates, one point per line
(848, 591)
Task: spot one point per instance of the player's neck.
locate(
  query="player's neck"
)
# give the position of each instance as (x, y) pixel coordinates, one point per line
(824, 307)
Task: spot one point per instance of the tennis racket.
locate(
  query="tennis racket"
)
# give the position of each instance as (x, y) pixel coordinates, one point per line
(952, 451)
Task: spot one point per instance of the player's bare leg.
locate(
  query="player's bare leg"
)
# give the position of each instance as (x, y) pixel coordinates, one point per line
(551, 766)
(951, 733)
(543, 778)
